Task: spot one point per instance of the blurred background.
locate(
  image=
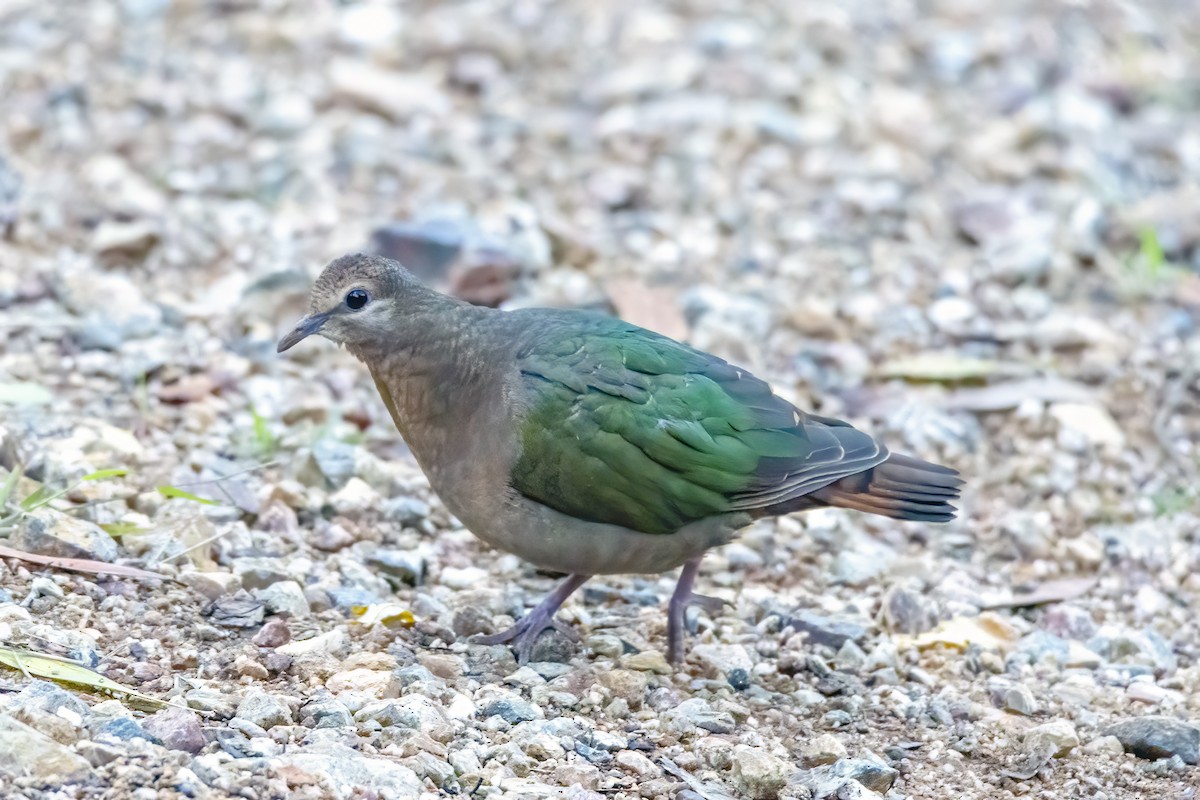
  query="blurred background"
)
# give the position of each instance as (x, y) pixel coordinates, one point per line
(840, 196)
(972, 227)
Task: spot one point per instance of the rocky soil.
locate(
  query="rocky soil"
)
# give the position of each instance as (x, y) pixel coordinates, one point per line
(971, 227)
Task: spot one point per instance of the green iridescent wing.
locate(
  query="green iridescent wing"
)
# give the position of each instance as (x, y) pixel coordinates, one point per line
(627, 427)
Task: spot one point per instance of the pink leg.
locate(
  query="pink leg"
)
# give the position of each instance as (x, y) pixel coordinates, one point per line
(677, 609)
(525, 633)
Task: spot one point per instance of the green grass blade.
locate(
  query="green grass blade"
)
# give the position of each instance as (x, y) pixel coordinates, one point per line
(175, 491)
(105, 474)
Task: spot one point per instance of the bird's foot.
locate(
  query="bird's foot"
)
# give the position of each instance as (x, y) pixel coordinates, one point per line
(678, 623)
(524, 635)
(712, 605)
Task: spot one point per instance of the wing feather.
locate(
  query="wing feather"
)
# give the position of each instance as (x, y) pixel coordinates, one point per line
(628, 427)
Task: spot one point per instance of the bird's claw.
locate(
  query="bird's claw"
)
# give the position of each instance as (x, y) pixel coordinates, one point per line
(713, 605)
(524, 635)
(678, 622)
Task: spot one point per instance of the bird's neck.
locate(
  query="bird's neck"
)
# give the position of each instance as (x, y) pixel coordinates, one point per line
(430, 369)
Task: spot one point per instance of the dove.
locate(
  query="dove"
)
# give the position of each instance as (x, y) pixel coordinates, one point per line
(587, 446)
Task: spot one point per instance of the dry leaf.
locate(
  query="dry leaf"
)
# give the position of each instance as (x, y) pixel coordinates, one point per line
(80, 564)
(43, 665)
(986, 630)
(1006, 396)
(1048, 592)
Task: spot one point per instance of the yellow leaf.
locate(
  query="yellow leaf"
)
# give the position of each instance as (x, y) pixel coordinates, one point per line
(986, 630)
(383, 613)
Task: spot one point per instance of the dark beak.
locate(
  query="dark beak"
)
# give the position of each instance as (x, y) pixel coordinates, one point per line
(304, 328)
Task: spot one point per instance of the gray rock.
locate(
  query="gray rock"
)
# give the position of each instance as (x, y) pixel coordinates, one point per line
(210, 701)
(335, 460)
(697, 713)
(350, 774)
(828, 781)
(122, 729)
(413, 713)
(285, 114)
(837, 718)
(350, 596)
(1020, 700)
(553, 646)
(25, 751)
(211, 584)
(247, 746)
(1040, 646)
(407, 566)
(1057, 738)
(1105, 746)
(257, 572)
(1156, 737)
(327, 713)
(284, 597)
(404, 510)
(593, 755)
(824, 749)
(827, 631)
(10, 193)
(177, 729)
(758, 774)
(132, 239)
(50, 533)
(1134, 647)
(240, 610)
(605, 644)
(905, 611)
(1069, 621)
(850, 657)
(863, 562)
(264, 710)
(46, 697)
(723, 322)
(511, 709)
(110, 304)
(723, 658)
(429, 767)
(387, 714)
(352, 500)
(98, 754)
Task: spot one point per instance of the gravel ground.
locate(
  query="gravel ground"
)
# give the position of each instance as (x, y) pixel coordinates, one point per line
(971, 227)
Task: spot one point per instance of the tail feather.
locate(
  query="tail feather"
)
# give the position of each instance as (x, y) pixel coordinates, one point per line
(902, 487)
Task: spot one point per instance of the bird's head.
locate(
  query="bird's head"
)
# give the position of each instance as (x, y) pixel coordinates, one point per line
(354, 301)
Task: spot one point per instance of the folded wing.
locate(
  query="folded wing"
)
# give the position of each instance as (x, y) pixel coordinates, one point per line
(627, 427)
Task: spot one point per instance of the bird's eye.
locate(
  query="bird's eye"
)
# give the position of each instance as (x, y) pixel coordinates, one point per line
(356, 299)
